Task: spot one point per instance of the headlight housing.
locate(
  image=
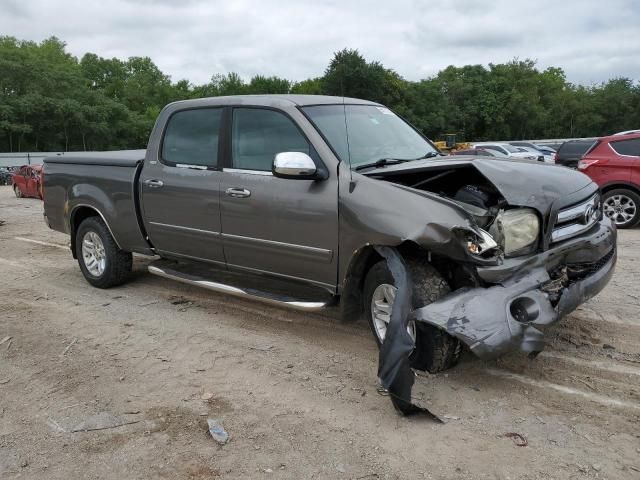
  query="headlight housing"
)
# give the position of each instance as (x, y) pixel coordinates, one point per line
(516, 231)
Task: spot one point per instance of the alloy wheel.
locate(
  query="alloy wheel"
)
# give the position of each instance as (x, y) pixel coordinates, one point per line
(620, 208)
(93, 254)
(381, 304)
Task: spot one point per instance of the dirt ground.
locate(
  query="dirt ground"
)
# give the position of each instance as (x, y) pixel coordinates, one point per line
(296, 392)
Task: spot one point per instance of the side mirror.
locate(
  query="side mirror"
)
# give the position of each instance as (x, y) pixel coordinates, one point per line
(294, 165)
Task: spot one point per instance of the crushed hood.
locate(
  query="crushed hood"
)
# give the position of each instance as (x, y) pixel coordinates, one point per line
(521, 182)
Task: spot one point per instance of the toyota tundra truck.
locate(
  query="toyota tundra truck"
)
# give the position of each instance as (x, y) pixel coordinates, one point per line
(289, 199)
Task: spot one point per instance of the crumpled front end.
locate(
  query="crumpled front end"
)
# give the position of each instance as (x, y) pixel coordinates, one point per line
(527, 295)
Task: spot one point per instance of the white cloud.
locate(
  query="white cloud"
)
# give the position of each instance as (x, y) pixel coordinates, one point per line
(195, 39)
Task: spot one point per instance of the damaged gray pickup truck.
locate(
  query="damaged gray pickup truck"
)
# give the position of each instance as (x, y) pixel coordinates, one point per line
(306, 201)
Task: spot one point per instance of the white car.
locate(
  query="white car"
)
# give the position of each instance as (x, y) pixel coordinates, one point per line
(508, 150)
(540, 156)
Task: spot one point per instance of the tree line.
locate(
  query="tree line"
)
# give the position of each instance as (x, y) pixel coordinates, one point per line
(53, 101)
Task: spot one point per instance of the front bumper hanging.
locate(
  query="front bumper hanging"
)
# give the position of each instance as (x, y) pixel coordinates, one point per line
(512, 315)
(536, 292)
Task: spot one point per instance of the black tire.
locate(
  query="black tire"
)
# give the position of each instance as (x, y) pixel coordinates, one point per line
(435, 350)
(118, 263)
(17, 191)
(629, 194)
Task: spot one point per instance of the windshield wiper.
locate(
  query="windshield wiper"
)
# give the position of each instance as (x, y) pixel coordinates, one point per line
(381, 163)
(428, 155)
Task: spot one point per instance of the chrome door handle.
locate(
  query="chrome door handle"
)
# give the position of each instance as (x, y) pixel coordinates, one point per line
(154, 183)
(238, 192)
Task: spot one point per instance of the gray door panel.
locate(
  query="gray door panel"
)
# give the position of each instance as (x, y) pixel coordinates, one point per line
(183, 216)
(180, 186)
(286, 227)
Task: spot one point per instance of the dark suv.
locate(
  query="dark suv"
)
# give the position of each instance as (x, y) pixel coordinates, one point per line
(570, 153)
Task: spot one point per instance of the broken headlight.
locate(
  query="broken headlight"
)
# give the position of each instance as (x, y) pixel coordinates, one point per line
(481, 245)
(516, 231)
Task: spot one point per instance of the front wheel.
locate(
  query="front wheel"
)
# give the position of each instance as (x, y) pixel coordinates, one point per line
(17, 191)
(435, 349)
(622, 206)
(102, 263)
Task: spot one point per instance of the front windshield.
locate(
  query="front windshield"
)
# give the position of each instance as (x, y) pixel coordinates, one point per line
(374, 133)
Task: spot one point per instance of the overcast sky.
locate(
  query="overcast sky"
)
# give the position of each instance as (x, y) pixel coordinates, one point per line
(194, 39)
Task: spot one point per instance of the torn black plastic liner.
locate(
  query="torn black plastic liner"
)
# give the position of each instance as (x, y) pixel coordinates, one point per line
(394, 367)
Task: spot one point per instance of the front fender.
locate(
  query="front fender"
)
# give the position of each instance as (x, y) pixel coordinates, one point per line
(375, 212)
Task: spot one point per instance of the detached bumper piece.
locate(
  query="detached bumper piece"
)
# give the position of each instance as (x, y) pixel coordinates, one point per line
(511, 316)
(394, 368)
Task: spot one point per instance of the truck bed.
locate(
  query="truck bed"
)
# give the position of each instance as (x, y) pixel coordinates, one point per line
(106, 182)
(117, 158)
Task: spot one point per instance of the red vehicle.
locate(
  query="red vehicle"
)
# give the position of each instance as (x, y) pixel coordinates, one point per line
(27, 181)
(614, 164)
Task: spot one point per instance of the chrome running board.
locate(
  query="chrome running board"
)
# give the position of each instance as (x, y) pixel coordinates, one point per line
(175, 272)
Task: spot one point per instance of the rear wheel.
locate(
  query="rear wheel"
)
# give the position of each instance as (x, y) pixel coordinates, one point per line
(102, 263)
(17, 191)
(435, 349)
(622, 206)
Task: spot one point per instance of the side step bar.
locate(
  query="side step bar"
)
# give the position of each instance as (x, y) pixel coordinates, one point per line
(248, 293)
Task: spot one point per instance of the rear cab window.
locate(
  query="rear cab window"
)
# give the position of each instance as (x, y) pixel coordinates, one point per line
(191, 138)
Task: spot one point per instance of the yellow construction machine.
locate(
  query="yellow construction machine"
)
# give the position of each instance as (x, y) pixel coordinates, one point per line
(449, 143)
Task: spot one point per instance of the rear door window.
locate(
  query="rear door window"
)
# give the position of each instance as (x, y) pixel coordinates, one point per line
(259, 134)
(629, 147)
(576, 148)
(191, 138)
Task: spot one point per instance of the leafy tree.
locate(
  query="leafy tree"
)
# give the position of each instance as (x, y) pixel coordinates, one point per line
(311, 86)
(260, 84)
(50, 100)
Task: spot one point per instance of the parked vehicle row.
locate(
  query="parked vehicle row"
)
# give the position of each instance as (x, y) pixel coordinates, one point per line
(508, 150)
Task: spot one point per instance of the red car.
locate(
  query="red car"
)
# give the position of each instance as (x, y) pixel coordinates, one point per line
(614, 164)
(27, 181)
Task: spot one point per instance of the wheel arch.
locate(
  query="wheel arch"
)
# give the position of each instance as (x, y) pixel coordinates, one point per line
(351, 302)
(77, 216)
(362, 260)
(622, 185)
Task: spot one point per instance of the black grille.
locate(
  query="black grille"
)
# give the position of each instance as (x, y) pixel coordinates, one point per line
(578, 271)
